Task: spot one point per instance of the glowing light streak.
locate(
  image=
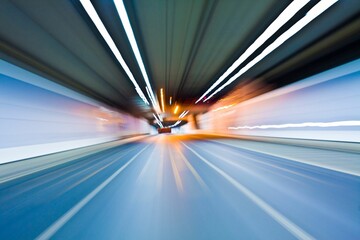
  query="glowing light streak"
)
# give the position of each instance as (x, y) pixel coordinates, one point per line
(183, 114)
(162, 99)
(102, 119)
(221, 108)
(120, 7)
(311, 15)
(155, 105)
(90, 10)
(287, 14)
(176, 109)
(300, 125)
(157, 120)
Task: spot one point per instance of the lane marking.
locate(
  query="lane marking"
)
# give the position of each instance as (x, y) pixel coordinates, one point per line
(240, 166)
(146, 166)
(49, 177)
(261, 162)
(52, 229)
(63, 160)
(160, 175)
(149, 161)
(176, 173)
(325, 165)
(281, 219)
(56, 175)
(88, 168)
(92, 174)
(192, 169)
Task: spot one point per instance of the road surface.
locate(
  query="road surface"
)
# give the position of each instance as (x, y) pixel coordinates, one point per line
(181, 187)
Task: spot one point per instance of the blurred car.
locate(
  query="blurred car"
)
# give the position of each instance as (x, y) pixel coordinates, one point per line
(164, 130)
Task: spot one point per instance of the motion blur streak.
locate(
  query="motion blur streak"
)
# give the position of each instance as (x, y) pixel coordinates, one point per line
(177, 177)
(311, 15)
(190, 167)
(295, 230)
(307, 124)
(89, 8)
(49, 232)
(39, 117)
(184, 187)
(313, 108)
(289, 12)
(179, 120)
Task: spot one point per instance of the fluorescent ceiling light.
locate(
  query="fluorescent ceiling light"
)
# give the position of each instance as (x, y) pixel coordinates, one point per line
(158, 121)
(148, 92)
(183, 114)
(285, 16)
(311, 15)
(162, 99)
(89, 8)
(156, 106)
(120, 7)
(158, 117)
(141, 94)
(176, 109)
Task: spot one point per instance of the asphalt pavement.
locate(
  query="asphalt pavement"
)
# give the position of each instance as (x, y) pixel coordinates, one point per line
(181, 187)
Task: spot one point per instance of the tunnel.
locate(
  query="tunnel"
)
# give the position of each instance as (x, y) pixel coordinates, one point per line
(179, 119)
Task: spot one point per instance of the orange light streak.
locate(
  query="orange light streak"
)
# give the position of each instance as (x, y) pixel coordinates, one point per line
(162, 99)
(176, 109)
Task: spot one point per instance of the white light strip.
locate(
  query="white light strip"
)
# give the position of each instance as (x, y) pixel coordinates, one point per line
(89, 8)
(141, 94)
(157, 120)
(301, 125)
(311, 15)
(285, 16)
(120, 7)
(160, 124)
(102, 119)
(340, 71)
(224, 107)
(156, 117)
(151, 99)
(154, 103)
(183, 114)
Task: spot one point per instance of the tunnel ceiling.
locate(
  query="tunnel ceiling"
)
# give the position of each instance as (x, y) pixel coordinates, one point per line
(185, 45)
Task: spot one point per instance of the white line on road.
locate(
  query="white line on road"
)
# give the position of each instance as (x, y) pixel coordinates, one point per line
(176, 173)
(192, 169)
(51, 230)
(281, 219)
